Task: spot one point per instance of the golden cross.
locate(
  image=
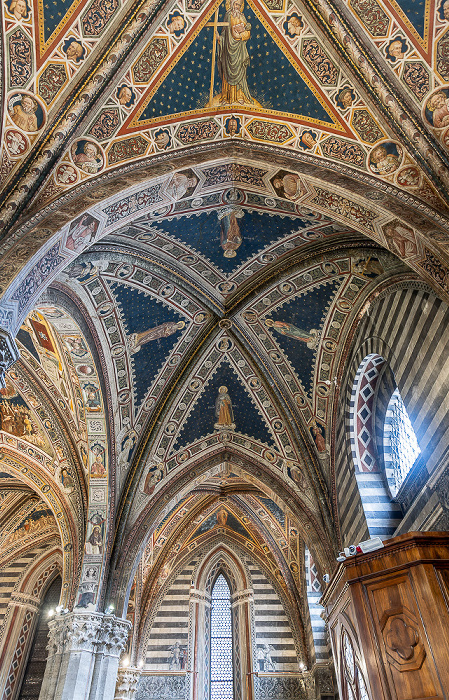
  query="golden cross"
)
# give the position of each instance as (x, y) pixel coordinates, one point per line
(215, 24)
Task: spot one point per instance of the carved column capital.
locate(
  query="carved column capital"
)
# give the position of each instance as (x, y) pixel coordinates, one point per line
(127, 681)
(114, 634)
(9, 353)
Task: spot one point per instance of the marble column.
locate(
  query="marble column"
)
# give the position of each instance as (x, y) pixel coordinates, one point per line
(84, 651)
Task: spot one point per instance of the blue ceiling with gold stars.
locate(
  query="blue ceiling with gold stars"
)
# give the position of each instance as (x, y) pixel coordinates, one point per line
(203, 418)
(186, 85)
(416, 11)
(207, 234)
(141, 314)
(300, 316)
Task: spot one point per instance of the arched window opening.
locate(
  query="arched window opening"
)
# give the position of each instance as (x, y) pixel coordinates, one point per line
(401, 447)
(373, 385)
(221, 647)
(352, 679)
(37, 659)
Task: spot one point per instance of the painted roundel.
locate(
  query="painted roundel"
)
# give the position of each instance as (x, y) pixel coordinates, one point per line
(436, 111)
(385, 158)
(26, 111)
(87, 156)
(16, 143)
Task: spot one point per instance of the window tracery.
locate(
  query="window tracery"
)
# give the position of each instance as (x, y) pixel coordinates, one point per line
(352, 677)
(221, 646)
(401, 448)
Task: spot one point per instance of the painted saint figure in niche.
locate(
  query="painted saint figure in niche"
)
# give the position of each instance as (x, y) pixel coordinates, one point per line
(127, 447)
(98, 469)
(233, 125)
(223, 410)
(307, 140)
(92, 396)
(443, 10)
(317, 434)
(345, 97)
(19, 9)
(400, 239)
(182, 184)
(74, 50)
(396, 49)
(293, 25)
(87, 156)
(94, 543)
(176, 24)
(288, 185)
(311, 338)
(233, 57)
(230, 235)
(154, 476)
(136, 340)
(125, 95)
(222, 517)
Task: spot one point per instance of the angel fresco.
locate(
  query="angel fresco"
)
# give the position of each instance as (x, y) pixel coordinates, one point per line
(136, 340)
(311, 337)
(230, 235)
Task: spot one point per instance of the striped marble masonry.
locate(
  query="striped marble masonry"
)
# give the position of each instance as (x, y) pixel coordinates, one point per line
(10, 575)
(409, 328)
(171, 624)
(318, 626)
(271, 625)
(383, 515)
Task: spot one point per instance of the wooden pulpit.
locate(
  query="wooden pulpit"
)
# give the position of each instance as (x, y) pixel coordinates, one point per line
(388, 617)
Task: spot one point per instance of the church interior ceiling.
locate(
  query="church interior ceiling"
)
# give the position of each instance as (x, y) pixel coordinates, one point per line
(186, 262)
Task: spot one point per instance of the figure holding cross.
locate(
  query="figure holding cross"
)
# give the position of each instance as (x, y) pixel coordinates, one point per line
(232, 56)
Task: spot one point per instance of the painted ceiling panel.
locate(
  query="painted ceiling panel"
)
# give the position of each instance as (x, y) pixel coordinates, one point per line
(188, 86)
(296, 326)
(216, 234)
(152, 330)
(204, 418)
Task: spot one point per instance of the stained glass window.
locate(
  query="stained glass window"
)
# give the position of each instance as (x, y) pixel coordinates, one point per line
(221, 666)
(401, 445)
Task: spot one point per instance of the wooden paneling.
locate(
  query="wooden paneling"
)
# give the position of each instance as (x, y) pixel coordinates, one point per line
(393, 605)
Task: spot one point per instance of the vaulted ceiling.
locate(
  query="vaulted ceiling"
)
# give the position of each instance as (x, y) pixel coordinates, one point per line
(185, 262)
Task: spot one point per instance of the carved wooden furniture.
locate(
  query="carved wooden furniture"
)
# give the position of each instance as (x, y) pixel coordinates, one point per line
(388, 616)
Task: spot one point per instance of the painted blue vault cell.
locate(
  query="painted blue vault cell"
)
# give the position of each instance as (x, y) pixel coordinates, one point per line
(203, 417)
(273, 82)
(300, 316)
(142, 315)
(209, 236)
(231, 522)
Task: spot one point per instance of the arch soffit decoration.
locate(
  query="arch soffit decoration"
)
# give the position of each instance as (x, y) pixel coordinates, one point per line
(129, 547)
(72, 536)
(332, 24)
